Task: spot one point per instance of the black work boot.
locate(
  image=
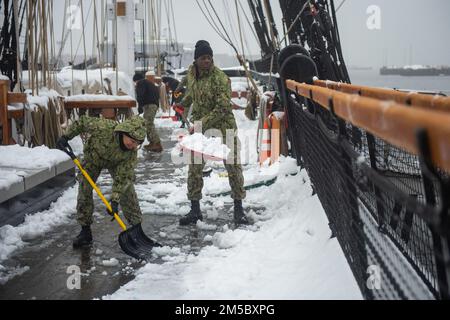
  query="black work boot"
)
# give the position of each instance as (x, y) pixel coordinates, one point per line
(239, 216)
(84, 238)
(193, 216)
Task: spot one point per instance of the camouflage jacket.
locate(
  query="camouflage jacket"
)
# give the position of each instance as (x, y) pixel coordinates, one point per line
(210, 95)
(102, 149)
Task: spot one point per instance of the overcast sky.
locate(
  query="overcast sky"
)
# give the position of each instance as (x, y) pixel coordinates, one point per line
(411, 31)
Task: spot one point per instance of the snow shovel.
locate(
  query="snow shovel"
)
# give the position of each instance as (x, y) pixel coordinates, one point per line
(133, 241)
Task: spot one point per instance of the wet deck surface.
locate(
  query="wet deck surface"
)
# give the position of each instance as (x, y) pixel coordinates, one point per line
(46, 259)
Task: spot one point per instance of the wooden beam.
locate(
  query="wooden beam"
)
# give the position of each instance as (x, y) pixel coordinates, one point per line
(121, 8)
(17, 98)
(16, 114)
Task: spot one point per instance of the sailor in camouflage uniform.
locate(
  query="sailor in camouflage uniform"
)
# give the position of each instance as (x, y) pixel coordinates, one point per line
(209, 90)
(112, 146)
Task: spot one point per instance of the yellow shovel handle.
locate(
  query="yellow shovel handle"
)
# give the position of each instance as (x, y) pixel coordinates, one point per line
(100, 194)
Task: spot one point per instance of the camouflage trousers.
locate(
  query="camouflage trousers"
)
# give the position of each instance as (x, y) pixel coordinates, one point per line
(149, 116)
(85, 204)
(233, 167)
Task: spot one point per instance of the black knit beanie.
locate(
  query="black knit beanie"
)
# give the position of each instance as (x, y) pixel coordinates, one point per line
(138, 76)
(202, 47)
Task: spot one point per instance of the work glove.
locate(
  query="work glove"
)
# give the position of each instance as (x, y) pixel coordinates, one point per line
(62, 143)
(115, 209)
(178, 108)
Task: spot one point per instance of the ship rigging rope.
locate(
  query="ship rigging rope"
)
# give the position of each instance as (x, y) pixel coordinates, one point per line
(226, 38)
(273, 32)
(84, 41)
(84, 22)
(28, 125)
(243, 40)
(71, 55)
(223, 27)
(293, 23)
(64, 36)
(174, 24)
(166, 7)
(339, 6)
(154, 31)
(100, 57)
(228, 17)
(224, 35)
(53, 42)
(241, 36)
(250, 25)
(17, 35)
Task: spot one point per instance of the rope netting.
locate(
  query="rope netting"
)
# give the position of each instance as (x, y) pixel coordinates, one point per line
(386, 201)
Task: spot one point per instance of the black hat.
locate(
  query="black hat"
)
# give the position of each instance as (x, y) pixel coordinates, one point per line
(202, 47)
(138, 76)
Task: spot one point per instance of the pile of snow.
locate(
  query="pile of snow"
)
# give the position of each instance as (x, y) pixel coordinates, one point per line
(286, 254)
(247, 134)
(98, 97)
(204, 226)
(166, 123)
(165, 197)
(42, 99)
(239, 86)
(113, 262)
(254, 175)
(37, 101)
(45, 92)
(9, 177)
(290, 256)
(76, 81)
(38, 224)
(207, 146)
(41, 157)
(15, 107)
(6, 275)
(164, 120)
(124, 81)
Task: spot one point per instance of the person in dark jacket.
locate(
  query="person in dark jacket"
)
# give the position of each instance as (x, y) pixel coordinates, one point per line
(147, 96)
(171, 85)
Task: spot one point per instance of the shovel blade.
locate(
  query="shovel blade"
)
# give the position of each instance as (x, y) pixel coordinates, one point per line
(136, 244)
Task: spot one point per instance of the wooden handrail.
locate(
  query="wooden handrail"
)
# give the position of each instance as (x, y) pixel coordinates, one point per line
(16, 114)
(7, 98)
(415, 99)
(17, 98)
(393, 122)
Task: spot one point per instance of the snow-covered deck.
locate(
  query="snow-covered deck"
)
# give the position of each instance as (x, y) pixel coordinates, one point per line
(22, 168)
(30, 179)
(286, 254)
